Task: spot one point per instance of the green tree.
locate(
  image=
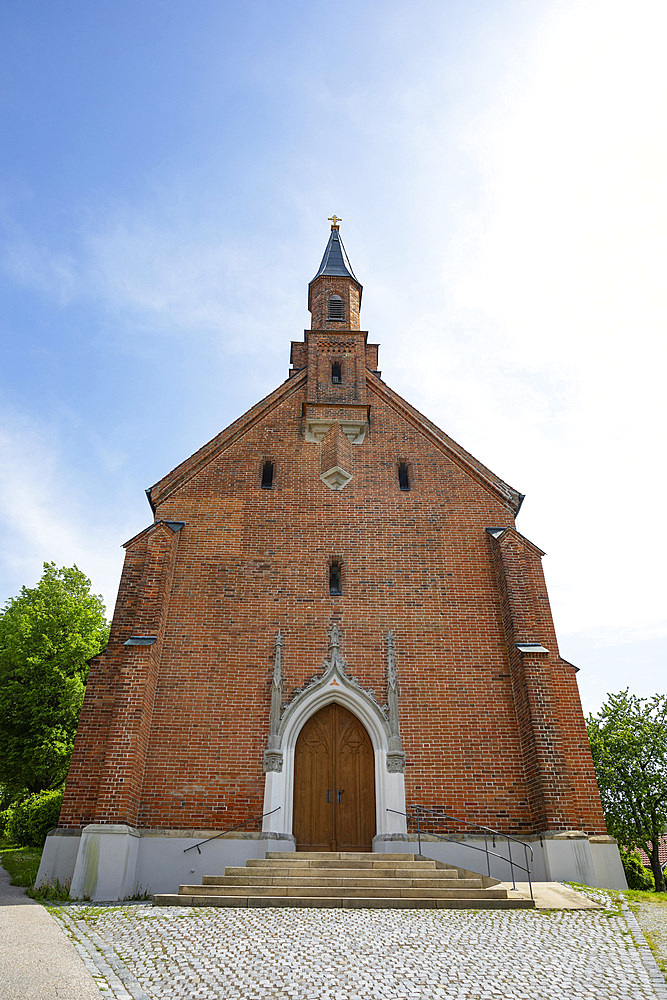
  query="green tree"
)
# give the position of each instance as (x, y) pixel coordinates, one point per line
(629, 744)
(47, 634)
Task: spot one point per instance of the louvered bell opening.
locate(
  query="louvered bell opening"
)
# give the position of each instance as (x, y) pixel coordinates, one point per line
(335, 307)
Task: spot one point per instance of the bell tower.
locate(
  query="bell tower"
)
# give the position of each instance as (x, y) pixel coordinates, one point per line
(335, 350)
(334, 294)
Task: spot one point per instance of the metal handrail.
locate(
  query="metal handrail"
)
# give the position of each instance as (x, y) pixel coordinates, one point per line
(419, 810)
(232, 829)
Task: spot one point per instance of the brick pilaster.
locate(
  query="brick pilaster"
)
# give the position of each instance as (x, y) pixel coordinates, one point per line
(553, 738)
(120, 786)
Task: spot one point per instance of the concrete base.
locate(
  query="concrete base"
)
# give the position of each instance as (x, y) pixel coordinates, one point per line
(108, 862)
(114, 862)
(164, 865)
(58, 858)
(609, 873)
(559, 857)
(568, 858)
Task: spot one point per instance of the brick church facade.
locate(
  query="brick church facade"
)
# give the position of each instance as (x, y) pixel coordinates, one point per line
(331, 620)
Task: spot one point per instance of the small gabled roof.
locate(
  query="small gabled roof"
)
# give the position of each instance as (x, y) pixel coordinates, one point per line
(335, 260)
(173, 526)
(499, 533)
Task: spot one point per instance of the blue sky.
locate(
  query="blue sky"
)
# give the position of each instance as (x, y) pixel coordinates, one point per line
(167, 171)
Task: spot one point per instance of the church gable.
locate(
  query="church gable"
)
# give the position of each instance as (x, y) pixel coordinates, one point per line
(286, 419)
(334, 376)
(331, 515)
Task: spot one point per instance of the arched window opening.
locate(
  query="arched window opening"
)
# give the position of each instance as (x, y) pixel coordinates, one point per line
(403, 476)
(335, 307)
(267, 475)
(335, 579)
(336, 373)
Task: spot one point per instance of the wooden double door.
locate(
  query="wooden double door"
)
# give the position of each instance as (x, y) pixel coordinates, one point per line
(334, 783)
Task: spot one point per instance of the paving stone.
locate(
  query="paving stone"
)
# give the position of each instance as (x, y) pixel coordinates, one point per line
(168, 953)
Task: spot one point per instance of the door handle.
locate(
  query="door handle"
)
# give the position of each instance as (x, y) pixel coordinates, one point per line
(339, 794)
(328, 795)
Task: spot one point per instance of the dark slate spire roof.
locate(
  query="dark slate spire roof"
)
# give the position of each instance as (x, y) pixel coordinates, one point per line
(335, 260)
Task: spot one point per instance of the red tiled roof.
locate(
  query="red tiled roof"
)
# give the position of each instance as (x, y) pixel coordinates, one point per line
(662, 853)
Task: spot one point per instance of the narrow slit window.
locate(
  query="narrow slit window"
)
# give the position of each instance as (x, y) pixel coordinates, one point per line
(335, 307)
(267, 476)
(336, 373)
(403, 476)
(335, 579)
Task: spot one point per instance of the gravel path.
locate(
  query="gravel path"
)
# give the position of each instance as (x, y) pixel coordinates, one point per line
(652, 918)
(169, 953)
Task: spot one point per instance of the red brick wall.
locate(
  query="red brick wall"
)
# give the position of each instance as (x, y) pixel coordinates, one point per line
(249, 561)
(172, 735)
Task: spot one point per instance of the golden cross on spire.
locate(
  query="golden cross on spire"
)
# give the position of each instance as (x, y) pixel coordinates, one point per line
(334, 220)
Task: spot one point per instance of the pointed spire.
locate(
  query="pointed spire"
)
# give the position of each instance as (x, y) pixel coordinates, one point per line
(334, 294)
(335, 261)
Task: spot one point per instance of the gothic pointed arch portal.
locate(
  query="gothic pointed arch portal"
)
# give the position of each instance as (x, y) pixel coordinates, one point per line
(334, 783)
(334, 687)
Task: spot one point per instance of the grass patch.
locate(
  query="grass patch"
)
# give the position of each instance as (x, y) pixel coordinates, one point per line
(631, 895)
(22, 863)
(645, 896)
(50, 892)
(659, 960)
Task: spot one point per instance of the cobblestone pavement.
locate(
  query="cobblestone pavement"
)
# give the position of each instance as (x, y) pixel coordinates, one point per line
(139, 953)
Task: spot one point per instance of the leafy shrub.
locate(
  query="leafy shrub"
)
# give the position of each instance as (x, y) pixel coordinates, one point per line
(6, 797)
(638, 876)
(4, 819)
(30, 821)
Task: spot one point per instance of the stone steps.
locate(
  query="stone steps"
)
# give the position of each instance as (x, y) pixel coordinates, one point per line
(325, 871)
(310, 857)
(337, 864)
(215, 881)
(344, 880)
(348, 902)
(338, 891)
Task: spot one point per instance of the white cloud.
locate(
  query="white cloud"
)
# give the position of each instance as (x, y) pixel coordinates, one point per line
(573, 230)
(505, 207)
(46, 517)
(547, 357)
(614, 659)
(35, 266)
